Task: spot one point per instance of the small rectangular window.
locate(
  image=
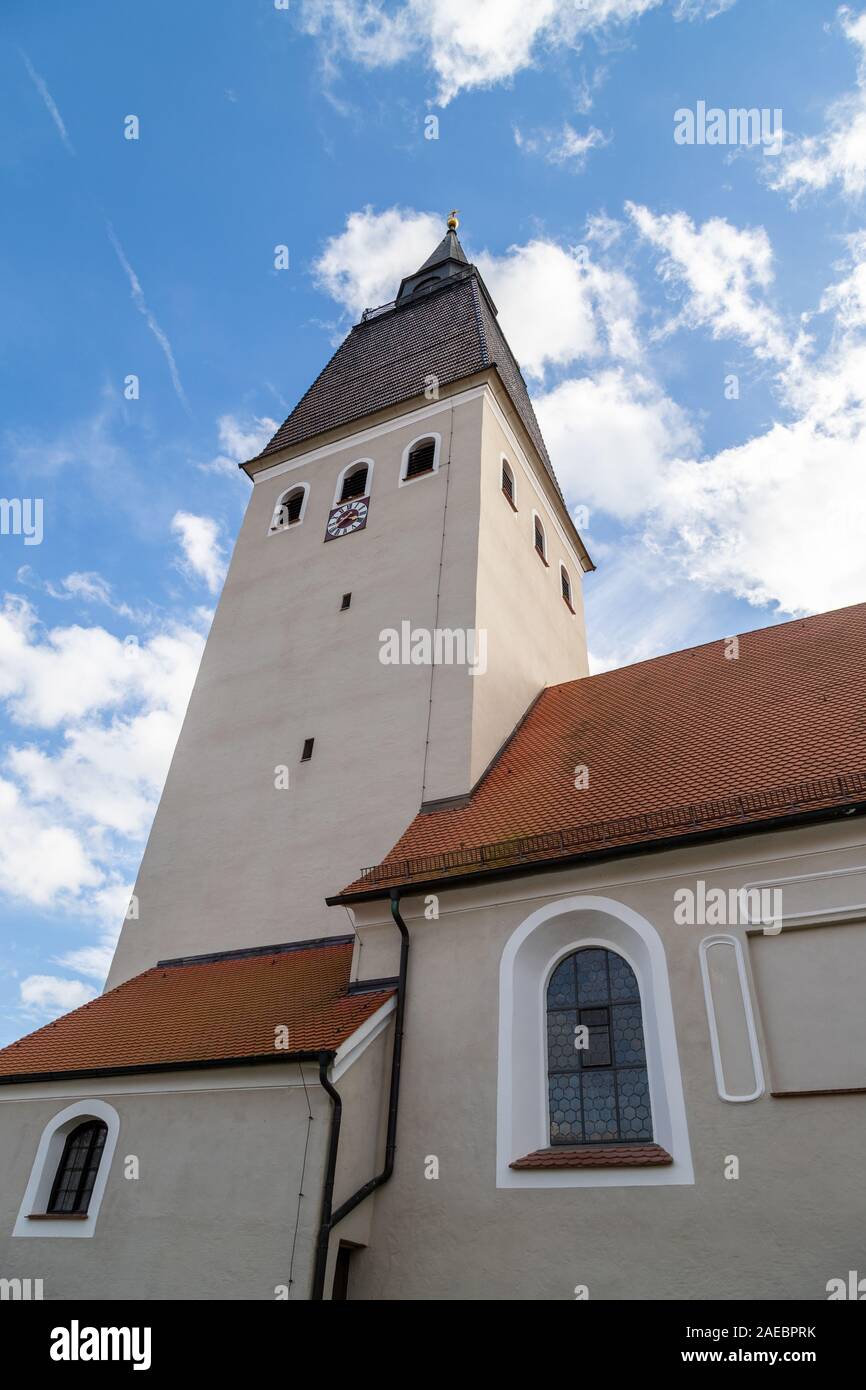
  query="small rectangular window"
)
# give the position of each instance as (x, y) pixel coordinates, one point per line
(347, 600)
(308, 750)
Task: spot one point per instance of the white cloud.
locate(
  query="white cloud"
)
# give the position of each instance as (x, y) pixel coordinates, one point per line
(559, 305)
(49, 995)
(203, 554)
(564, 146)
(362, 266)
(64, 675)
(93, 961)
(813, 163)
(779, 520)
(701, 9)
(78, 795)
(239, 440)
(612, 437)
(40, 861)
(466, 45)
(848, 296)
(722, 273)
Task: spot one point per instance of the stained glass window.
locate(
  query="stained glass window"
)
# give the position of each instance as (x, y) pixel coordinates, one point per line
(78, 1167)
(598, 1091)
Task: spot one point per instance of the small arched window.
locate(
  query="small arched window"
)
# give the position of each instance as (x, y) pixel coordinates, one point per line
(566, 586)
(290, 508)
(598, 1090)
(539, 536)
(354, 483)
(421, 459)
(508, 482)
(76, 1172)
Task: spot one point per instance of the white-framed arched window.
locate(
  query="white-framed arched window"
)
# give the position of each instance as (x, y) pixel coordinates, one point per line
(618, 1116)
(353, 481)
(70, 1171)
(420, 458)
(508, 482)
(289, 508)
(539, 537)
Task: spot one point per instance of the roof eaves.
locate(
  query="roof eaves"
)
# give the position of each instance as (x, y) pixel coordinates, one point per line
(143, 1068)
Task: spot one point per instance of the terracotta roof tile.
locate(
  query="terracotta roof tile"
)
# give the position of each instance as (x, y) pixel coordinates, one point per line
(209, 1010)
(686, 743)
(596, 1156)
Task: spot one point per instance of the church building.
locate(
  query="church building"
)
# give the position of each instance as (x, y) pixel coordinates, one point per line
(453, 971)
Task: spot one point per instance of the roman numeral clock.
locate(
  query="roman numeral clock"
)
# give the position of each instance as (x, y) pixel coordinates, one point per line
(348, 517)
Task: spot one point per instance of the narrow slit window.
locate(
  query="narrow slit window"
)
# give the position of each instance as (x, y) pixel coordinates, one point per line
(421, 458)
(354, 483)
(307, 753)
(508, 482)
(540, 543)
(346, 603)
(566, 587)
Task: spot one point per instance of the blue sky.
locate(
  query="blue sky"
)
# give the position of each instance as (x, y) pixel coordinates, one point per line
(635, 276)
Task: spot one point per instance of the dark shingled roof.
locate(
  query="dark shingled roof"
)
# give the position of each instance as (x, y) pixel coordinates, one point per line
(449, 331)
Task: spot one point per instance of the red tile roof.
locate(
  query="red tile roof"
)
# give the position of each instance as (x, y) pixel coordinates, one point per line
(208, 1011)
(596, 1156)
(684, 744)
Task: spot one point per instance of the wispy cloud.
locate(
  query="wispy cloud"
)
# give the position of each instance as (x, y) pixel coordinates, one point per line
(565, 146)
(203, 555)
(142, 306)
(51, 104)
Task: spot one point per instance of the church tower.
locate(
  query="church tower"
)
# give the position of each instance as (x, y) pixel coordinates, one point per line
(406, 580)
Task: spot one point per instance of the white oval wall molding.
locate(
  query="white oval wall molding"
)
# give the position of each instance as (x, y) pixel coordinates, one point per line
(733, 1036)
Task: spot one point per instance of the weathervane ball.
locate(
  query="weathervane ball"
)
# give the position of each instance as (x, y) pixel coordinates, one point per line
(453, 224)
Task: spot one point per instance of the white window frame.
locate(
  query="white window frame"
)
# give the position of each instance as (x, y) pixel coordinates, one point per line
(404, 462)
(536, 516)
(531, 954)
(273, 529)
(48, 1156)
(342, 476)
(505, 462)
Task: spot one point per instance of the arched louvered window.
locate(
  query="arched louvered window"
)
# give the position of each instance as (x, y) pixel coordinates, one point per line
(566, 586)
(76, 1172)
(354, 483)
(598, 1090)
(540, 538)
(421, 459)
(290, 509)
(508, 482)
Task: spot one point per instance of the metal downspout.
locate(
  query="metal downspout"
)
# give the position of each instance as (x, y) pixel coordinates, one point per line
(330, 1218)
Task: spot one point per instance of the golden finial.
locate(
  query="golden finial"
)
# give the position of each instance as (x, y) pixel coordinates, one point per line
(453, 224)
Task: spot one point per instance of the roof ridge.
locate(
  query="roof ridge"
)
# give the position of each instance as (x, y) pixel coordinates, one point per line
(251, 952)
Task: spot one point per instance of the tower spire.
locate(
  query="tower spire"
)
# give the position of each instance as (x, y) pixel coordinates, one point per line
(448, 260)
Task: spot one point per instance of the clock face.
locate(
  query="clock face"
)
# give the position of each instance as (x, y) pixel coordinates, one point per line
(349, 516)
